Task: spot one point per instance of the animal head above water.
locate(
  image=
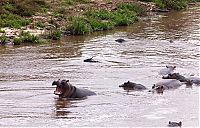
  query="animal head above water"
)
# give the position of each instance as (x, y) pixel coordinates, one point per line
(63, 88)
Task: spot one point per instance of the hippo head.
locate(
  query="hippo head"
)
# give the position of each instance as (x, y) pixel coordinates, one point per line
(127, 85)
(63, 88)
(175, 124)
(158, 89)
(172, 67)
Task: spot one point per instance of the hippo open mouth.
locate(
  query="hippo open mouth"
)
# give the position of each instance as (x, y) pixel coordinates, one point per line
(58, 91)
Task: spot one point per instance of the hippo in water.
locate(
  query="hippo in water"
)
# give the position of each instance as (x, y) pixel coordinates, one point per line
(65, 90)
(166, 84)
(90, 60)
(195, 80)
(166, 71)
(132, 86)
(179, 77)
(120, 40)
(175, 124)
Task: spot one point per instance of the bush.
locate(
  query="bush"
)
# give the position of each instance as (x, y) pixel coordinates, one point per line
(40, 24)
(28, 38)
(96, 20)
(22, 7)
(80, 26)
(17, 41)
(55, 35)
(3, 39)
(13, 21)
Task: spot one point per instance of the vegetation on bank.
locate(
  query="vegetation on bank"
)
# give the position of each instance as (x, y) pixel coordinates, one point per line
(170, 4)
(75, 17)
(97, 20)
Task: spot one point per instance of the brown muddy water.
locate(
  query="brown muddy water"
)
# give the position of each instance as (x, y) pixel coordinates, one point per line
(27, 72)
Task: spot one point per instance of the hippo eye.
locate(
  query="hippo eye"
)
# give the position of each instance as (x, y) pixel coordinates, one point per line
(153, 86)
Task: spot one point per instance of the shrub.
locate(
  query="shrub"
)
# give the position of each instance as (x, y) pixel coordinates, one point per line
(13, 21)
(28, 38)
(40, 24)
(22, 7)
(80, 26)
(17, 41)
(3, 39)
(55, 35)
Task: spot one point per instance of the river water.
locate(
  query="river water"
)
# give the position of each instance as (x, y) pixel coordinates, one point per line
(27, 72)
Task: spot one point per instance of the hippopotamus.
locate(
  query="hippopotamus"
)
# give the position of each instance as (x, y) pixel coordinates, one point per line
(178, 77)
(167, 84)
(195, 80)
(65, 90)
(166, 71)
(132, 86)
(120, 40)
(90, 60)
(175, 124)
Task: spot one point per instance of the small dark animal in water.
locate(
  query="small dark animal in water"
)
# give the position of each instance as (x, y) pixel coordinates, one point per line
(65, 90)
(90, 60)
(175, 124)
(132, 86)
(178, 77)
(120, 40)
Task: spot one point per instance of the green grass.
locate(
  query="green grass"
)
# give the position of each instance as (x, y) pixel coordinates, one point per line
(170, 4)
(97, 20)
(13, 21)
(26, 37)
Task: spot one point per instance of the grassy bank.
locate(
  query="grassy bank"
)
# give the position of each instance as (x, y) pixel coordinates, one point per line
(74, 17)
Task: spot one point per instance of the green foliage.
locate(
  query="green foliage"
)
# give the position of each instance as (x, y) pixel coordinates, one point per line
(22, 7)
(17, 41)
(74, 2)
(128, 7)
(26, 37)
(55, 35)
(2, 31)
(170, 4)
(96, 20)
(13, 21)
(98, 25)
(3, 39)
(40, 24)
(80, 26)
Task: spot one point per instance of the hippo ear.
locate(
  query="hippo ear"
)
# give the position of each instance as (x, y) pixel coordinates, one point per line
(153, 86)
(128, 82)
(167, 66)
(174, 67)
(169, 122)
(67, 81)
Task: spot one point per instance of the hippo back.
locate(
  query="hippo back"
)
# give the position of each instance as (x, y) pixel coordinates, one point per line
(169, 84)
(81, 93)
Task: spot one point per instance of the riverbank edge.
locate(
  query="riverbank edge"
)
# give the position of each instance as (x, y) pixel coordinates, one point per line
(32, 34)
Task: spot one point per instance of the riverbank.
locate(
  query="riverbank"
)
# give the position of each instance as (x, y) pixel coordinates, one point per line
(51, 19)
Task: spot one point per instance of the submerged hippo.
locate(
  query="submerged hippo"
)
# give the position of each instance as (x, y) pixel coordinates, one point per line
(179, 77)
(166, 71)
(195, 80)
(90, 60)
(167, 84)
(65, 90)
(132, 86)
(120, 40)
(175, 124)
